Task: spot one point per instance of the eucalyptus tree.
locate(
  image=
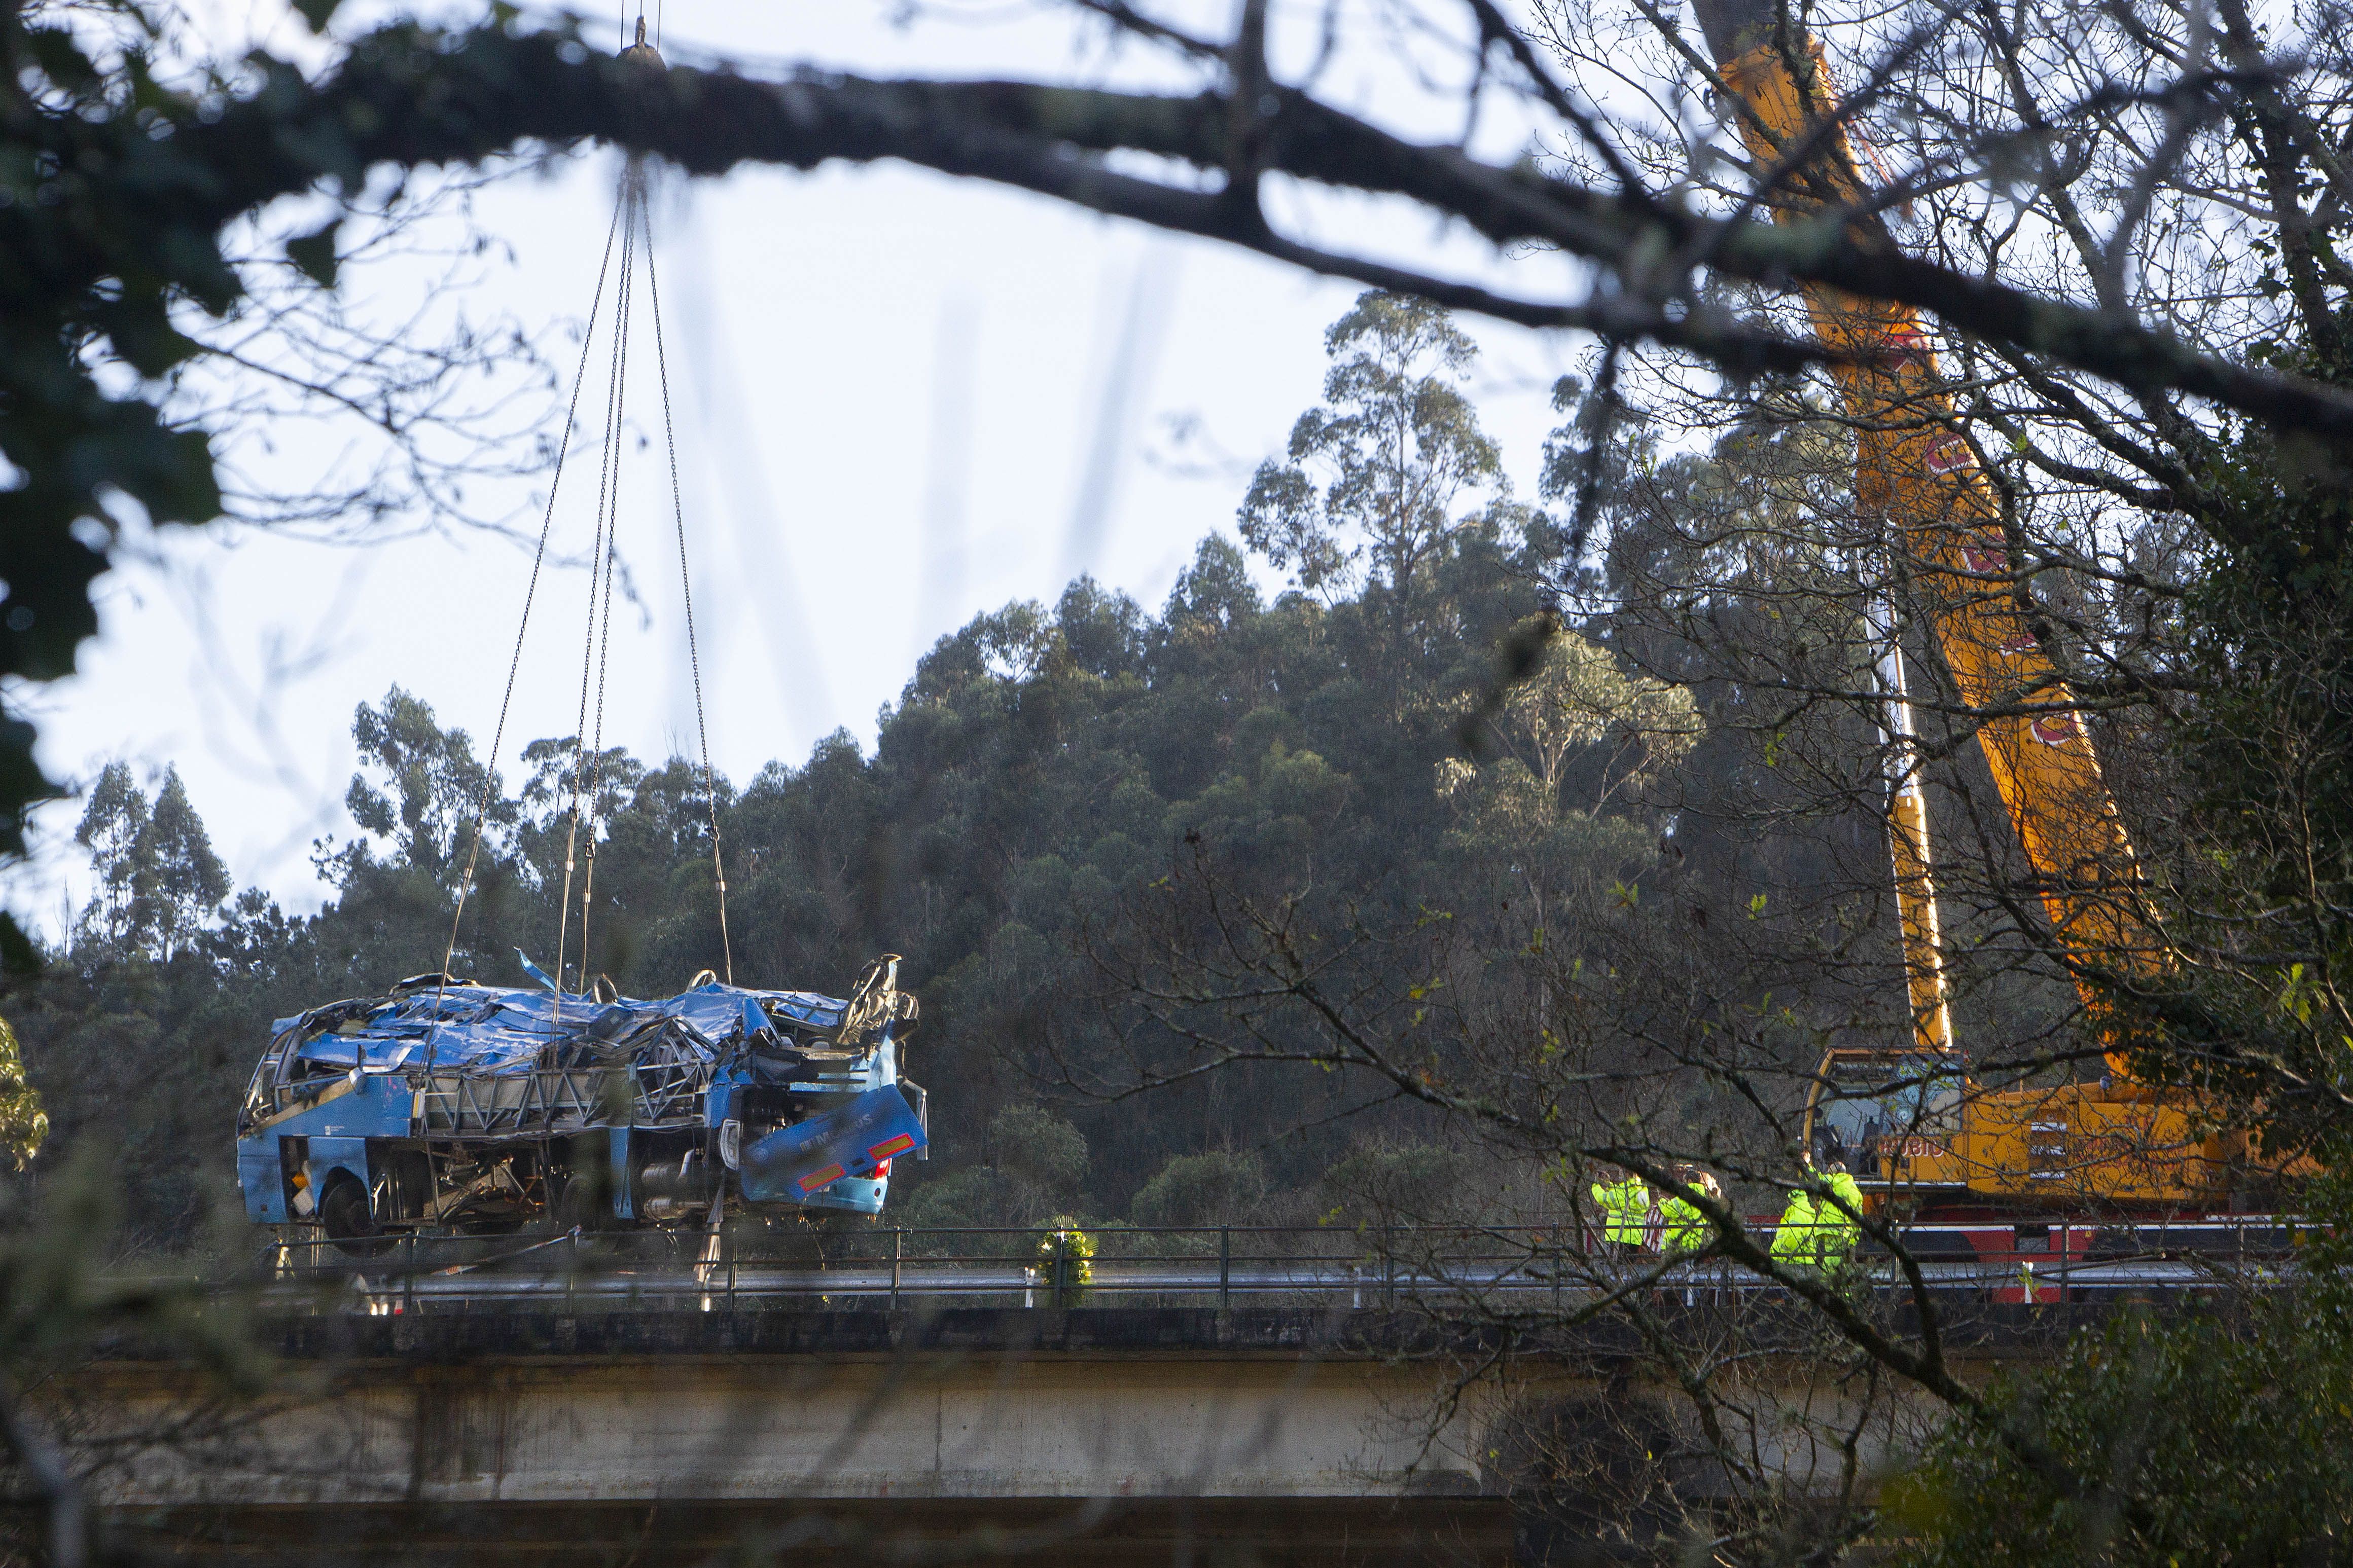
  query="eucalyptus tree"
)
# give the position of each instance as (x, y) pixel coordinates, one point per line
(1399, 453)
(182, 880)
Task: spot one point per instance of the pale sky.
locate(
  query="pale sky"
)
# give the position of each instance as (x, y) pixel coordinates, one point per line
(889, 389)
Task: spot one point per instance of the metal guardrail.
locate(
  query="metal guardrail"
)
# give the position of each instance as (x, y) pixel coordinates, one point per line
(1375, 1267)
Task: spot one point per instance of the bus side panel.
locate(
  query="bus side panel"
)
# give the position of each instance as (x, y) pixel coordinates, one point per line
(262, 1177)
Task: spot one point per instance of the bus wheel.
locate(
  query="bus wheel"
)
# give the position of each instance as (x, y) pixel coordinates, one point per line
(344, 1215)
(584, 1208)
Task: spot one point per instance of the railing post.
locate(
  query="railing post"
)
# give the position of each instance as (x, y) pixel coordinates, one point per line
(1388, 1266)
(898, 1254)
(1225, 1267)
(409, 1278)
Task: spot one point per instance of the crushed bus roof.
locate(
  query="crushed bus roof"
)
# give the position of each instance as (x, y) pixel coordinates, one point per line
(498, 1030)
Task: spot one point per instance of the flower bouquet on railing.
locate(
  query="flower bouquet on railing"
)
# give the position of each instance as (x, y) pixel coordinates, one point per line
(1066, 1261)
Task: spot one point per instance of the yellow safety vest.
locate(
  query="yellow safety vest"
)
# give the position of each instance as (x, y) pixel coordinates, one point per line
(1683, 1227)
(1794, 1239)
(1838, 1232)
(1628, 1205)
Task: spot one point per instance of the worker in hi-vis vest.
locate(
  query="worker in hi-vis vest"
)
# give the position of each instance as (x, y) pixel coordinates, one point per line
(1682, 1228)
(1816, 1233)
(1840, 1227)
(1625, 1205)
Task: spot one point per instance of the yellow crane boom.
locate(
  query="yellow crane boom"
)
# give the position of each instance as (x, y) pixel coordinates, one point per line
(1917, 468)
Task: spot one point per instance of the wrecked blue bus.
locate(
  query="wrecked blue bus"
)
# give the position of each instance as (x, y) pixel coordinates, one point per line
(450, 1107)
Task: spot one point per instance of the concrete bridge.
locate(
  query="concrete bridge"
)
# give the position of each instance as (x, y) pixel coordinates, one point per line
(632, 1437)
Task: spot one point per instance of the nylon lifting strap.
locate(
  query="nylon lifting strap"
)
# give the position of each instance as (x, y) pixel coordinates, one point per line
(632, 228)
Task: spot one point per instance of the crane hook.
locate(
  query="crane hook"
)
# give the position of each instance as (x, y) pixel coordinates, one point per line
(642, 50)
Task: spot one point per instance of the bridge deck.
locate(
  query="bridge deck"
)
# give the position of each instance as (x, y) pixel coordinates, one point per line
(508, 1432)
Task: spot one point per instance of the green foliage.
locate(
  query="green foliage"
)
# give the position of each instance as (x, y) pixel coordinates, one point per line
(1218, 1187)
(431, 785)
(181, 880)
(1041, 763)
(113, 824)
(159, 880)
(58, 1294)
(2184, 1437)
(87, 283)
(1040, 766)
(24, 1125)
(1038, 1148)
(2257, 858)
(1386, 1181)
(1036, 1165)
(1576, 699)
(1398, 447)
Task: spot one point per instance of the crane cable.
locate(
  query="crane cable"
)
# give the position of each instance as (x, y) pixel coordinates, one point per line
(587, 754)
(686, 594)
(530, 597)
(632, 216)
